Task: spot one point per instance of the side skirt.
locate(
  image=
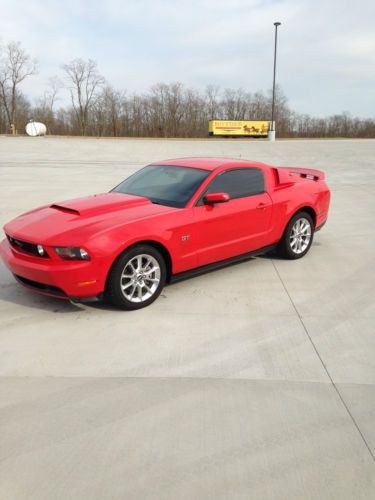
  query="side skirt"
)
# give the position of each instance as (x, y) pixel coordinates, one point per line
(197, 271)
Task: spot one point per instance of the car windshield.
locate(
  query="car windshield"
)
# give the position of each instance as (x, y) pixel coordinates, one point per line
(164, 184)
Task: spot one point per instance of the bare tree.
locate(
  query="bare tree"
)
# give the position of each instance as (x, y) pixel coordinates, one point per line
(50, 95)
(112, 101)
(212, 104)
(234, 104)
(172, 110)
(84, 83)
(44, 109)
(15, 66)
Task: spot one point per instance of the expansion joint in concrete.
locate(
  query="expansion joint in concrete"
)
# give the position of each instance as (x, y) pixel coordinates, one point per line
(323, 364)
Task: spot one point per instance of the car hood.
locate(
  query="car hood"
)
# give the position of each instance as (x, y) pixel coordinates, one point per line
(67, 222)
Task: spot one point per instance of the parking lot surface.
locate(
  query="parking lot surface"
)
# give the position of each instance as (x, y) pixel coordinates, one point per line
(253, 382)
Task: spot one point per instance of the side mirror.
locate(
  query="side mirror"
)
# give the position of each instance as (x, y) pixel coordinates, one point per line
(212, 198)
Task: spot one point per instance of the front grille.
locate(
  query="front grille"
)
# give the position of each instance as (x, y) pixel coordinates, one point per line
(41, 287)
(26, 247)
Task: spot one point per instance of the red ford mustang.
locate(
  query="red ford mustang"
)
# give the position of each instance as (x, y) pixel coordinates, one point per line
(170, 220)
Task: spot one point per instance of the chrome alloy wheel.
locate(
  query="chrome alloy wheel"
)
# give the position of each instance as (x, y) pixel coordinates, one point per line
(140, 278)
(300, 235)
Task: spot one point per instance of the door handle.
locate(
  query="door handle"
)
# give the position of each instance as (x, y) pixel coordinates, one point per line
(262, 206)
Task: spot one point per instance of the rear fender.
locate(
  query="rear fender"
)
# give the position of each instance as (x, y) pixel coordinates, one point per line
(303, 208)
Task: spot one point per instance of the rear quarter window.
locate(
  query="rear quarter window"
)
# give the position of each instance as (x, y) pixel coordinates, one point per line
(238, 183)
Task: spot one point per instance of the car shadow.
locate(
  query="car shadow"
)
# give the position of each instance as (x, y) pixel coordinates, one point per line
(14, 293)
(273, 255)
(102, 305)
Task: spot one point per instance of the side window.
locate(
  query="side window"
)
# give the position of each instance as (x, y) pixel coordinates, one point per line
(238, 183)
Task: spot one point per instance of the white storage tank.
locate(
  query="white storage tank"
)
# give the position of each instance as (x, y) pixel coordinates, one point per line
(35, 128)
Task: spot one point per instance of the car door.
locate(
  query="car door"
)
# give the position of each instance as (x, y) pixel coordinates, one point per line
(237, 226)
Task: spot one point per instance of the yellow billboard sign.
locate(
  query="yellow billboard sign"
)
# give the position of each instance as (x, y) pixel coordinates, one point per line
(238, 128)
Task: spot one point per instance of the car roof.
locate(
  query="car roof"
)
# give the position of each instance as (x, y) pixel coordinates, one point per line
(209, 163)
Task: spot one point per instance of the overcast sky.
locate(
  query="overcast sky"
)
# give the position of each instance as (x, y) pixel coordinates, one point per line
(326, 57)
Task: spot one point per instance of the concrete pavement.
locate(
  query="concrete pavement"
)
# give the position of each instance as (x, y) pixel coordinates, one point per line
(255, 381)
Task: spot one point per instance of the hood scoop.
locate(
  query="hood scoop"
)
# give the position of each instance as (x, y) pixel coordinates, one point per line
(99, 204)
(65, 209)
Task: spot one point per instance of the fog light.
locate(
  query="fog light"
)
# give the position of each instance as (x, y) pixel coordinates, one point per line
(41, 250)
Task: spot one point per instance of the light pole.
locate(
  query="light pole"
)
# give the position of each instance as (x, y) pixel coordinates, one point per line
(272, 132)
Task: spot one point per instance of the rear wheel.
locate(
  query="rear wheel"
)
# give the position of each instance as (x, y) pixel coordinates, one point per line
(136, 278)
(297, 237)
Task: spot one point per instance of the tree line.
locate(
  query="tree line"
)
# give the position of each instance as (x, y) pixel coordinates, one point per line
(165, 110)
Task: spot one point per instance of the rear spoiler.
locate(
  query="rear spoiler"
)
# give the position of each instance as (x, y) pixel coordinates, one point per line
(287, 175)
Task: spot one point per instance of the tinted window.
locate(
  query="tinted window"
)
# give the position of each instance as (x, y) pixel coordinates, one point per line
(238, 183)
(164, 184)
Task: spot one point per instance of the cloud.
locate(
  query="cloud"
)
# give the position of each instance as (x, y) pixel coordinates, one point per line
(325, 57)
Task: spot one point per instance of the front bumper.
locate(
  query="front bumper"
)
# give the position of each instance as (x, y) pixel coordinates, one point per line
(56, 278)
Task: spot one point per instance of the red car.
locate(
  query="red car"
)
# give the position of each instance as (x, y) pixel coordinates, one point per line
(170, 220)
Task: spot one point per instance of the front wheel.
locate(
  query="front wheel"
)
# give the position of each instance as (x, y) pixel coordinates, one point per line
(136, 278)
(297, 237)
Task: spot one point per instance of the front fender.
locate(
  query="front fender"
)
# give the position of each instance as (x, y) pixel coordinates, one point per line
(112, 244)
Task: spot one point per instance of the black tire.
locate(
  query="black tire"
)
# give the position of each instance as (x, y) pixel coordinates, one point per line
(114, 292)
(285, 247)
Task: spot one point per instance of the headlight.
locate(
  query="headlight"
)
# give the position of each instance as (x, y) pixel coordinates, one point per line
(72, 253)
(41, 251)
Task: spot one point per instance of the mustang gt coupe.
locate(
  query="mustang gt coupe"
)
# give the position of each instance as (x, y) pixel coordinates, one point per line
(170, 220)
